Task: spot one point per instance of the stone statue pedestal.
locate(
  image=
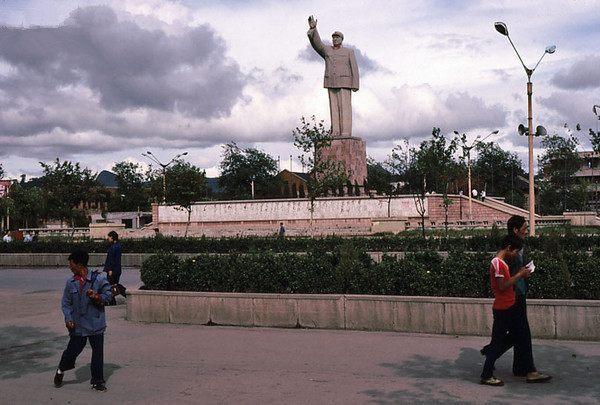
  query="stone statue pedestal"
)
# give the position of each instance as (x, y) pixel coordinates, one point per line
(352, 152)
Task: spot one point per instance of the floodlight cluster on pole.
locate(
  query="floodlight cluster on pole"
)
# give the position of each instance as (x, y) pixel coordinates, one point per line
(540, 130)
(152, 157)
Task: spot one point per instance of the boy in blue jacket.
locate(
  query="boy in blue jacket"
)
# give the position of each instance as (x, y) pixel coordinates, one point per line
(83, 302)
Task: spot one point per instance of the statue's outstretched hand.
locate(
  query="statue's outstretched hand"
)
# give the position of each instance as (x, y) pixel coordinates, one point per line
(312, 23)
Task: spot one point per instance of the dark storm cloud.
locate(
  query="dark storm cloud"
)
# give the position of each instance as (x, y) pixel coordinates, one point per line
(125, 66)
(583, 74)
(572, 108)
(366, 65)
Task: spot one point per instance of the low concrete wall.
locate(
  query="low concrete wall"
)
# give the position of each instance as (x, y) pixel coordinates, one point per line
(100, 230)
(551, 319)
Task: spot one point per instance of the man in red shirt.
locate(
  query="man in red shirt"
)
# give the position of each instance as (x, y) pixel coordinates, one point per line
(505, 316)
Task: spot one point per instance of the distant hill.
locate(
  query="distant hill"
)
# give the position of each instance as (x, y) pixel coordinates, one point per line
(107, 179)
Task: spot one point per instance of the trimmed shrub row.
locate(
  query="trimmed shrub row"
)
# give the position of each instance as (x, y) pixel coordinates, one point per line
(348, 270)
(551, 242)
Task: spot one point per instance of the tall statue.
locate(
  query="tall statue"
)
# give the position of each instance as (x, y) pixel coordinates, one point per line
(341, 77)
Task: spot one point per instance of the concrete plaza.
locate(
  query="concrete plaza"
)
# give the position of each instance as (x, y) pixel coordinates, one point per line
(165, 364)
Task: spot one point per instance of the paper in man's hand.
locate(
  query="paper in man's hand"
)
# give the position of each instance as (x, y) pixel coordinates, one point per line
(530, 266)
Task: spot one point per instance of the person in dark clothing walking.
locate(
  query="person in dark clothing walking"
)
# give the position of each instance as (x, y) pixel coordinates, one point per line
(112, 264)
(520, 335)
(506, 317)
(83, 301)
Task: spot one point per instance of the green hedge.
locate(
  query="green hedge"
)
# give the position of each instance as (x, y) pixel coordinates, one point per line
(348, 270)
(385, 243)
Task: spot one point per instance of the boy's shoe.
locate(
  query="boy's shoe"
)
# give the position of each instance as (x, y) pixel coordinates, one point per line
(537, 377)
(98, 387)
(493, 381)
(58, 379)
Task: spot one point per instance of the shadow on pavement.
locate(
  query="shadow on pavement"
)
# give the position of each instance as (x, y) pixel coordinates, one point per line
(18, 357)
(83, 373)
(574, 376)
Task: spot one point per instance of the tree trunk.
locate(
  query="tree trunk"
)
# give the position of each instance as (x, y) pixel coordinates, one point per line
(312, 211)
(187, 225)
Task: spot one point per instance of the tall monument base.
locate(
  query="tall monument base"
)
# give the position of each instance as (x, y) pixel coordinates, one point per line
(352, 152)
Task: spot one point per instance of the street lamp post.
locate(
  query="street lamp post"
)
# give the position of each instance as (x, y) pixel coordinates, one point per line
(467, 151)
(502, 29)
(149, 155)
(596, 110)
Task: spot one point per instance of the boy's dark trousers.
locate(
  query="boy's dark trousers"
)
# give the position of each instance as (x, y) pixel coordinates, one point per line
(113, 280)
(508, 321)
(75, 347)
(520, 339)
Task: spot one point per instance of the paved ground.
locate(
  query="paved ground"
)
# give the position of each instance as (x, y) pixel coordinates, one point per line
(164, 364)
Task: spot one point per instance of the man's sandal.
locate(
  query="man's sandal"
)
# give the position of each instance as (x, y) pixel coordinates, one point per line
(492, 381)
(536, 377)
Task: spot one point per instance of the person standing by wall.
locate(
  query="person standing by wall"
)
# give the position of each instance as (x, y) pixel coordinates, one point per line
(281, 232)
(83, 301)
(112, 264)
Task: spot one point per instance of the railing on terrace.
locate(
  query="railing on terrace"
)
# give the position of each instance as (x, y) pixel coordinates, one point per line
(466, 224)
(58, 232)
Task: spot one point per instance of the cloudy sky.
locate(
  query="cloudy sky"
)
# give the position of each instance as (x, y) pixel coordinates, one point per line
(101, 82)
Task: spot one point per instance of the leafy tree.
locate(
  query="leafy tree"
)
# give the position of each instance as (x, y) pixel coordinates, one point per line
(433, 160)
(431, 167)
(240, 167)
(420, 200)
(379, 178)
(6, 208)
(131, 191)
(594, 139)
(185, 185)
(65, 186)
(497, 171)
(559, 190)
(325, 174)
(1, 171)
(28, 205)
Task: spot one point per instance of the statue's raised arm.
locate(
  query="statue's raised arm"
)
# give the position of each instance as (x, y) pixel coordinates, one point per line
(312, 23)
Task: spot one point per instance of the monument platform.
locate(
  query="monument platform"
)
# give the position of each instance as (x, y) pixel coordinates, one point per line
(352, 152)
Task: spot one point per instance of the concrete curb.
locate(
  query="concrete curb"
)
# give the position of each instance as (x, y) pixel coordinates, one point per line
(550, 319)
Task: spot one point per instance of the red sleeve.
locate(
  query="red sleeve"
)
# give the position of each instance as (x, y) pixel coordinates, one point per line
(498, 267)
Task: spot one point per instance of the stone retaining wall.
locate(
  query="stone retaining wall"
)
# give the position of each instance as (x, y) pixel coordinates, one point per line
(551, 319)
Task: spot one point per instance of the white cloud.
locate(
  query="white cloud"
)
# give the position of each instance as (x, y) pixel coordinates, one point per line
(447, 67)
